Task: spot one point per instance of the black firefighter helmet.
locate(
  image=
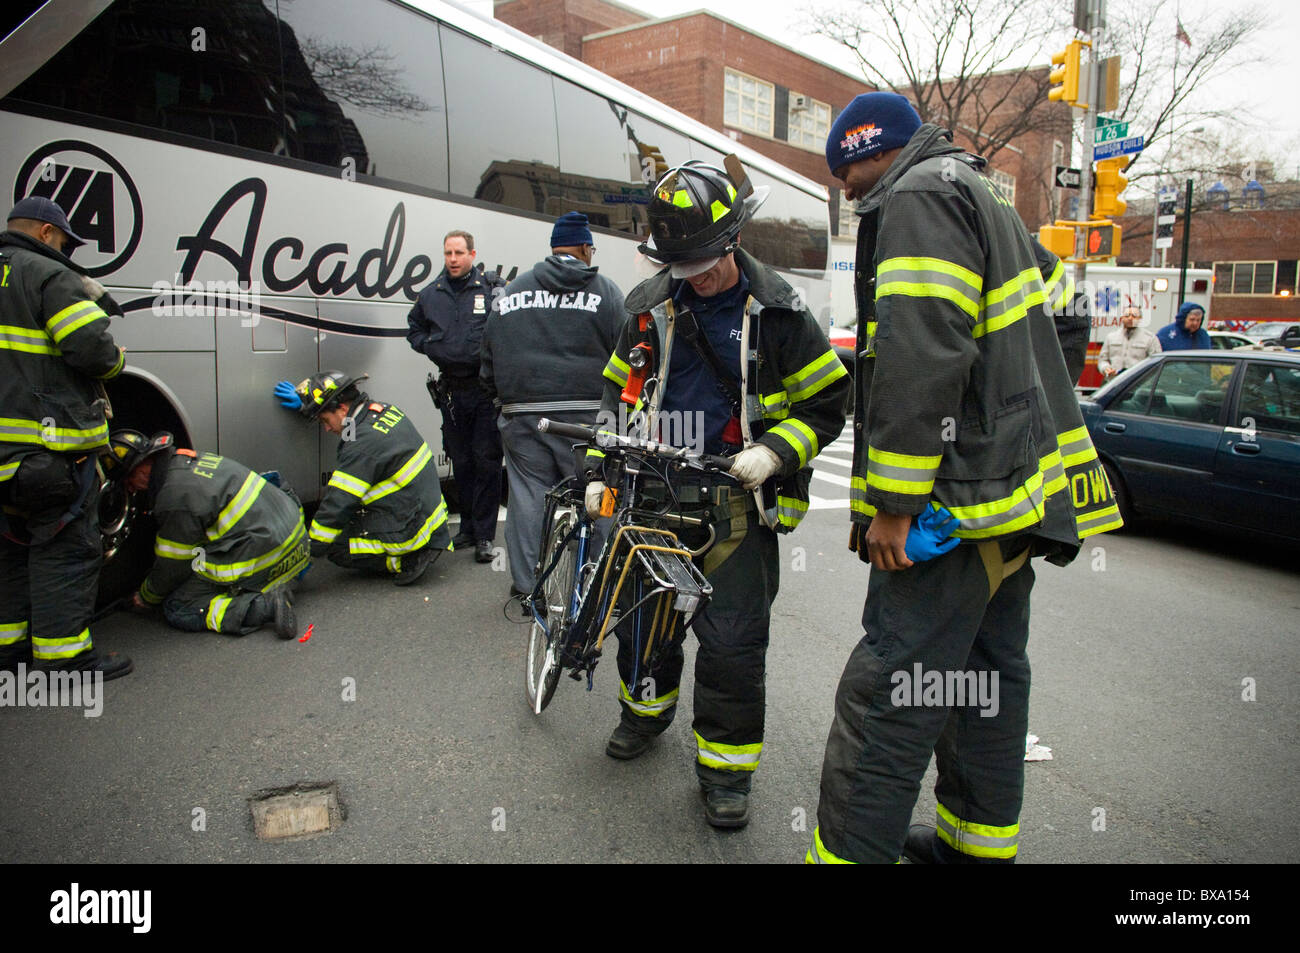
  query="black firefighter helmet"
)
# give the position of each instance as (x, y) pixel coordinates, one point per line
(323, 391)
(697, 211)
(127, 449)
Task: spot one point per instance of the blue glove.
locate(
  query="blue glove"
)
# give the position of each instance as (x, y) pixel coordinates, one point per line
(929, 534)
(287, 396)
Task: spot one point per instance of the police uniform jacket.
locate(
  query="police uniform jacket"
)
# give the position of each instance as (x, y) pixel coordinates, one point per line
(220, 520)
(797, 388)
(446, 324)
(54, 343)
(963, 395)
(387, 477)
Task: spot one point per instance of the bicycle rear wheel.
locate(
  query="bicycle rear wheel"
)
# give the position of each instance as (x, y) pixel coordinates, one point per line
(555, 607)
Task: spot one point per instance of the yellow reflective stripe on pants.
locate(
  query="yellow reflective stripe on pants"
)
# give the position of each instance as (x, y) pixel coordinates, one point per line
(714, 754)
(322, 533)
(237, 507)
(13, 338)
(901, 472)
(405, 474)
(393, 564)
(217, 611)
(647, 709)
(1004, 306)
(71, 318)
(976, 840)
(11, 633)
(348, 484)
(617, 370)
(170, 549)
(148, 595)
(799, 436)
(815, 375)
(47, 650)
(818, 854)
(7, 470)
(930, 278)
(364, 546)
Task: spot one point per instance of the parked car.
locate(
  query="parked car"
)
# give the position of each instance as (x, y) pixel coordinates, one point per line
(1211, 437)
(1226, 340)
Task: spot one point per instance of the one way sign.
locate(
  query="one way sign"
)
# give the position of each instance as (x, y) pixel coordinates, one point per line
(1067, 178)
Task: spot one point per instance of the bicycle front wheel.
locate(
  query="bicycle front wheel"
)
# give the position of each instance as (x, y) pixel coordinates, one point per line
(555, 608)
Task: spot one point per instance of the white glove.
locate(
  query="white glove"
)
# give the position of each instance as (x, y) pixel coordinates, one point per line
(592, 498)
(754, 464)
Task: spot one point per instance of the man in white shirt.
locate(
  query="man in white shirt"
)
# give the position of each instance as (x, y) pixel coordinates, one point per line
(1127, 345)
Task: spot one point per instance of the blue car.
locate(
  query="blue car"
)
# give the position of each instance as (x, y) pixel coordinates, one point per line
(1211, 437)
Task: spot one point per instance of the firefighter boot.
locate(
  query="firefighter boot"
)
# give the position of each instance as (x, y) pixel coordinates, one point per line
(626, 744)
(726, 808)
(923, 846)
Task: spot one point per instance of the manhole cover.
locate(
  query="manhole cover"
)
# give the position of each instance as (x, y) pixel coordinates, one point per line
(296, 812)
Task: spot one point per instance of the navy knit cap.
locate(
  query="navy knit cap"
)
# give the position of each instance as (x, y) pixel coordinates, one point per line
(571, 231)
(873, 122)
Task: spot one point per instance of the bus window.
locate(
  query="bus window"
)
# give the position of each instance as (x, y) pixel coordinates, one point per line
(500, 121)
(363, 90)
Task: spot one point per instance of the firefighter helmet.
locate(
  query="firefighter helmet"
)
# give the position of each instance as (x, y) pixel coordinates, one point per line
(127, 449)
(323, 391)
(697, 211)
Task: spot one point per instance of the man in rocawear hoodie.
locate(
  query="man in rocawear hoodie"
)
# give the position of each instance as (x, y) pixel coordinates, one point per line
(546, 343)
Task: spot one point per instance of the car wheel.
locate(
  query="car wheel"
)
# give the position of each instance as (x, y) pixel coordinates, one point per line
(1122, 499)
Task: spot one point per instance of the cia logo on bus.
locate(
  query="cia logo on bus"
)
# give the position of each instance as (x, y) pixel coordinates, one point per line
(93, 188)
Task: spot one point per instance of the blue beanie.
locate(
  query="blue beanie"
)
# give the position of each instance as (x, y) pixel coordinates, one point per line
(873, 122)
(571, 231)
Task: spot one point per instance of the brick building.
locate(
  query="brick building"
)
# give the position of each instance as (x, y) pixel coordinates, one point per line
(759, 91)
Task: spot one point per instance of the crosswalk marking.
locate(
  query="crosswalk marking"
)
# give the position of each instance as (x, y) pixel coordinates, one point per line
(832, 469)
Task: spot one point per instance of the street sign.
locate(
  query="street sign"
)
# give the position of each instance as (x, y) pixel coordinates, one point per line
(1111, 132)
(1166, 210)
(1120, 147)
(1067, 178)
(1105, 121)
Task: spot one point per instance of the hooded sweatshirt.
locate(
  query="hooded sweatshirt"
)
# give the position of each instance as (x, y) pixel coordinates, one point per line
(1176, 337)
(549, 335)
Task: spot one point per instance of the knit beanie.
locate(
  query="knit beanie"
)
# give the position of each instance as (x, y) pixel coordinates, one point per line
(873, 122)
(571, 231)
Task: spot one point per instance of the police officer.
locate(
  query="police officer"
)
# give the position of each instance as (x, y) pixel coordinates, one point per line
(55, 347)
(747, 362)
(964, 412)
(383, 509)
(546, 343)
(229, 543)
(446, 325)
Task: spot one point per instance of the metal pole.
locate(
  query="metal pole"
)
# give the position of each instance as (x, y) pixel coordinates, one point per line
(1155, 229)
(1085, 166)
(1187, 235)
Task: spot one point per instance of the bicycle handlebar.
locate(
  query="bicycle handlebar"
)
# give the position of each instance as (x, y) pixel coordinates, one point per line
(609, 441)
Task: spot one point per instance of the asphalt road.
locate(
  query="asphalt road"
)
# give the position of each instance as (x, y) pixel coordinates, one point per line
(1140, 649)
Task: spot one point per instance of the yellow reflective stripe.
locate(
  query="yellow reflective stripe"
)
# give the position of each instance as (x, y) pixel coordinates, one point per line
(237, 507)
(148, 595)
(170, 549)
(719, 210)
(1054, 479)
(116, 368)
(799, 436)
(229, 572)
(806, 382)
(901, 472)
(11, 633)
(348, 484)
(858, 497)
(682, 199)
(1059, 287)
(647, 709)
(1006, 305)
(1024, 507)
(25, 339)
(976, 840)
(930, 278)
(393, 564)
(408, 472)
(775, 405)
(617, 370)
(322, 533)
(1076, 447)
(217, 611)
(818, 854)
(1101, 521)
(7, 470)
(790, 510)
(21, 430)
(727, 757)
(45, 650)
(361, 546)
(71, 318)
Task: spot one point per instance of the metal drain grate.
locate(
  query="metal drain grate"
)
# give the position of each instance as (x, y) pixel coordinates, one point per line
(306, 809)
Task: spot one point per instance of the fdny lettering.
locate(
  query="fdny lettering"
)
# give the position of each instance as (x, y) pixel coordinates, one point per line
(389, 420)
(1090, 487)
(206, 466)
(579, 301)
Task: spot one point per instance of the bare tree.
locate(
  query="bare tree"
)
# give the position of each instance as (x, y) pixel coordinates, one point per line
(362, 77)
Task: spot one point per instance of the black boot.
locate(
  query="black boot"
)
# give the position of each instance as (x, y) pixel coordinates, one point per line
(626, 744)
(725, 808)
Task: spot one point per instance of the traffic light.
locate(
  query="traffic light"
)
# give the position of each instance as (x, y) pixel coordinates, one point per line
(1065, 70)
(1103, 241)
(1058, 239)
(1110, 183)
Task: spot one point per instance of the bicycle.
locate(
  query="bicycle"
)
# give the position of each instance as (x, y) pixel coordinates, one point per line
(643, 572)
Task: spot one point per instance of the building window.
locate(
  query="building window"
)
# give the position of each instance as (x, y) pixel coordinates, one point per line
(1006, 184)
(810, 122)
(748, 103)
(848, 224)
(1244, 277)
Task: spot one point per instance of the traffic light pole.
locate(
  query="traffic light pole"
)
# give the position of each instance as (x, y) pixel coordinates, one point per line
(1085, 164)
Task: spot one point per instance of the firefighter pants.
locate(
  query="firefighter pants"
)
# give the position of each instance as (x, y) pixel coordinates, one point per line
(922, 680)
(730, 663)
(340, 554)
(200, 604)
(470, 437)
(47, 590)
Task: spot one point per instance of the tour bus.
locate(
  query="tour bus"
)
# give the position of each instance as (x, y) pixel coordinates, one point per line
(265, 185)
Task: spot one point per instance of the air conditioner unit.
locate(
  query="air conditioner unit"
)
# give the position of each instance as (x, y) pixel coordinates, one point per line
(800, 103)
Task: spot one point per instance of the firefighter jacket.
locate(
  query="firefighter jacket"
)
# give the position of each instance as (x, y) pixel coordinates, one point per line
(963, 394)
(54, 344)
(796, 388)
(548, 337)
(220, 520)
(446, 322)
(387, 481)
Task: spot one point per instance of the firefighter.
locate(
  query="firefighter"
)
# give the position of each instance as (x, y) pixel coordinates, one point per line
(55, 348)
(966, 431)
(383, 509)
(229, 543)
(745, 359)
